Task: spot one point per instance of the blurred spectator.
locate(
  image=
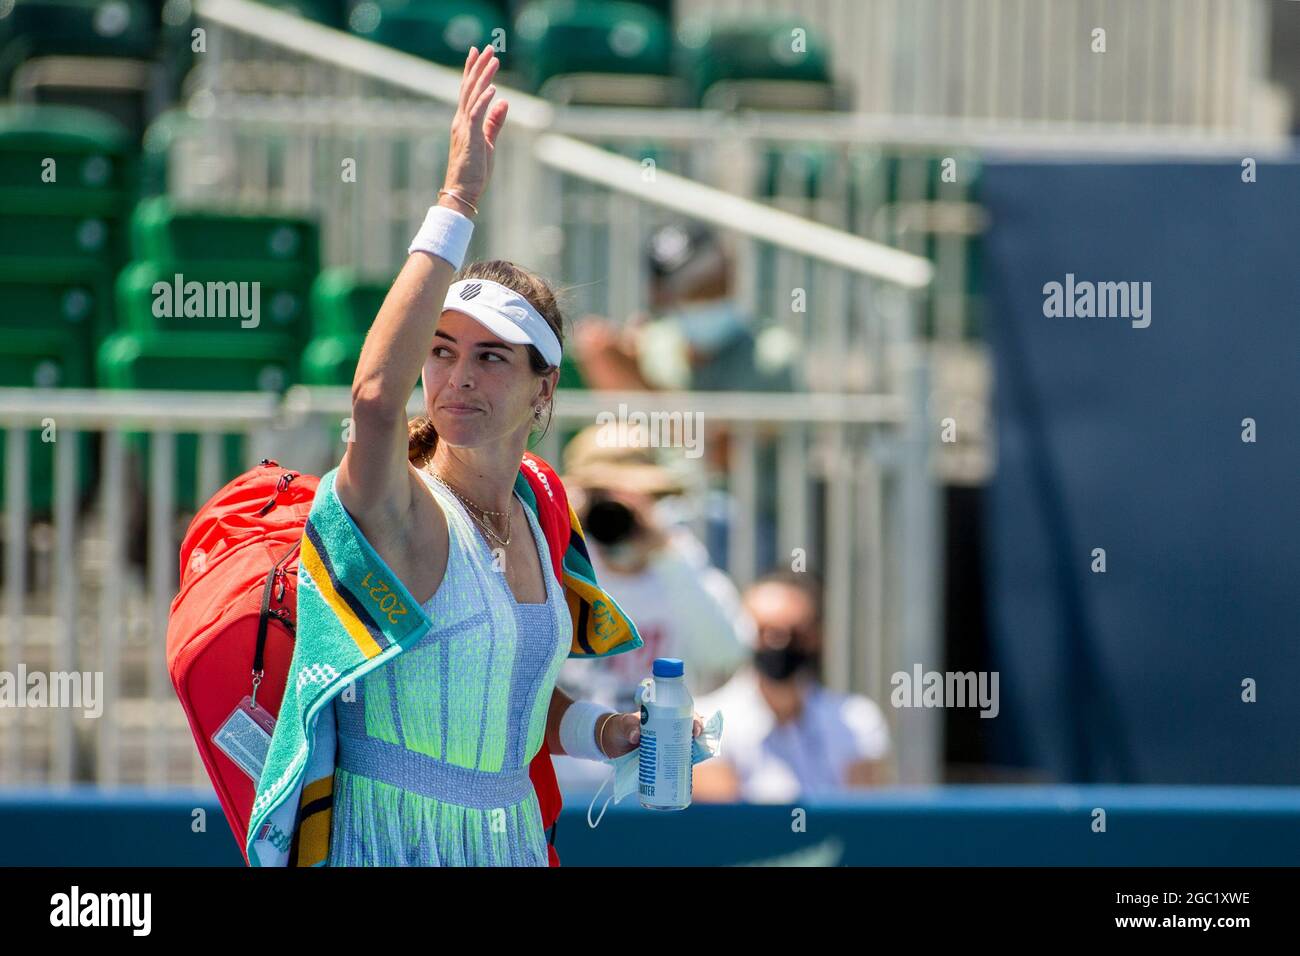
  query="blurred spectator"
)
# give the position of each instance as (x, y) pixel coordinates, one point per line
(785, 735)
(699, 338)
(659, 574)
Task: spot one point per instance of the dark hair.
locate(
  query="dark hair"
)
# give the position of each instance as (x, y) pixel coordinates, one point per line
(422, 438)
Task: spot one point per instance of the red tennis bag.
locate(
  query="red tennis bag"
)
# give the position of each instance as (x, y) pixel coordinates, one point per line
(231, 629)
(230, 633)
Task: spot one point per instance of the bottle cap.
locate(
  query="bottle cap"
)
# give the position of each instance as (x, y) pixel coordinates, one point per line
(669, 667)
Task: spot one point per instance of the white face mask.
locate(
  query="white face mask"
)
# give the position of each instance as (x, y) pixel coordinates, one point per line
(709, 325)
(707, 744)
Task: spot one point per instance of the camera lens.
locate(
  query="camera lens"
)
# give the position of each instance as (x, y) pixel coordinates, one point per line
(609, 522)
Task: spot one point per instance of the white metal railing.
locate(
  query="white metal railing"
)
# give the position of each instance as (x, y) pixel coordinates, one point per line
(850, 479)
(88, 605)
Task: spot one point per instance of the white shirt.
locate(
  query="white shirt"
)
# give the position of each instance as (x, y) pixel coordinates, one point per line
(683, 607)
(807, 756)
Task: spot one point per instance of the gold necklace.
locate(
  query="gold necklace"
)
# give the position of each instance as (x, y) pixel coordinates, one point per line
(471, 507)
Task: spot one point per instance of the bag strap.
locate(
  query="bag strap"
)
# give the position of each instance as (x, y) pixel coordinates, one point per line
(276, 573)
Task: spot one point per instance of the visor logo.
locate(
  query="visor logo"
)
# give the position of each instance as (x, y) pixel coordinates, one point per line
(471, 290)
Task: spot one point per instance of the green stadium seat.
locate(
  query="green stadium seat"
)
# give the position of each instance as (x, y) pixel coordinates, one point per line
(217, 362)
(344, 303)
(57, 295)
(214, 361)
(45, 358)
(161, 231)
(610, 53)
(765, 64)
(60, 240)
(92, 156)
(103, 28)
(99, 55)
(438, 30)
(227, 298)
(78, 240)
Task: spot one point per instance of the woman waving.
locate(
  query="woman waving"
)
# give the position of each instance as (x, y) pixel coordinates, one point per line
(433, 749)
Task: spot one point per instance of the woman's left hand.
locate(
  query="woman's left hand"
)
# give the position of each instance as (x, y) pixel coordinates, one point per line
(621, 733)
(474, 128)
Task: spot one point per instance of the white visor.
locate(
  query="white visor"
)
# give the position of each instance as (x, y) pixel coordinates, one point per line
(504, 312)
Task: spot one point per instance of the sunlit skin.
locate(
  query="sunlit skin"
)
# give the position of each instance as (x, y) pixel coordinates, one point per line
(481, 398)
(482, 393)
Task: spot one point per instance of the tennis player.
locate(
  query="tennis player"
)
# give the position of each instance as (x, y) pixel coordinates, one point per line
(433, 754)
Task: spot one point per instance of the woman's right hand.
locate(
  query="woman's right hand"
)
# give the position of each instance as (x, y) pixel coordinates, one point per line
(474, 130)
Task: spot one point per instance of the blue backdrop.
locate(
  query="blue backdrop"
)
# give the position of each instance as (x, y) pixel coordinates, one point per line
(1130, 439)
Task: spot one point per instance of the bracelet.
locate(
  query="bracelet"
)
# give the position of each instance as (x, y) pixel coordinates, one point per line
(600, 734)
(577, 730)
(459, 198)
(445, 234)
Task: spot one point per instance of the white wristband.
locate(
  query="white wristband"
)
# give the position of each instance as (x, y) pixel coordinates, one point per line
(445, 234)
(578, 730)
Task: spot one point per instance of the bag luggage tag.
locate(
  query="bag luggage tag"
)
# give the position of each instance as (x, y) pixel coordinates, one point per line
(245, 736)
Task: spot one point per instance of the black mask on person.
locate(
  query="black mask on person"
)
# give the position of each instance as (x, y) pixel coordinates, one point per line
(780, 663)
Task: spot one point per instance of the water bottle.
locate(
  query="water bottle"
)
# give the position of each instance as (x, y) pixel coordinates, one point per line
(667, 719)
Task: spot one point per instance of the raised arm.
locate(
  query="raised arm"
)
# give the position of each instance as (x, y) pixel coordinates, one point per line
(373, 481)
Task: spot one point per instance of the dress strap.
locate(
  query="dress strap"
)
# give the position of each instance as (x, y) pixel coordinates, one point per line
(460, 536)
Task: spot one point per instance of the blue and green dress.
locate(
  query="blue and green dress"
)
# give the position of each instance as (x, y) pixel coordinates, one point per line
(433, 752)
